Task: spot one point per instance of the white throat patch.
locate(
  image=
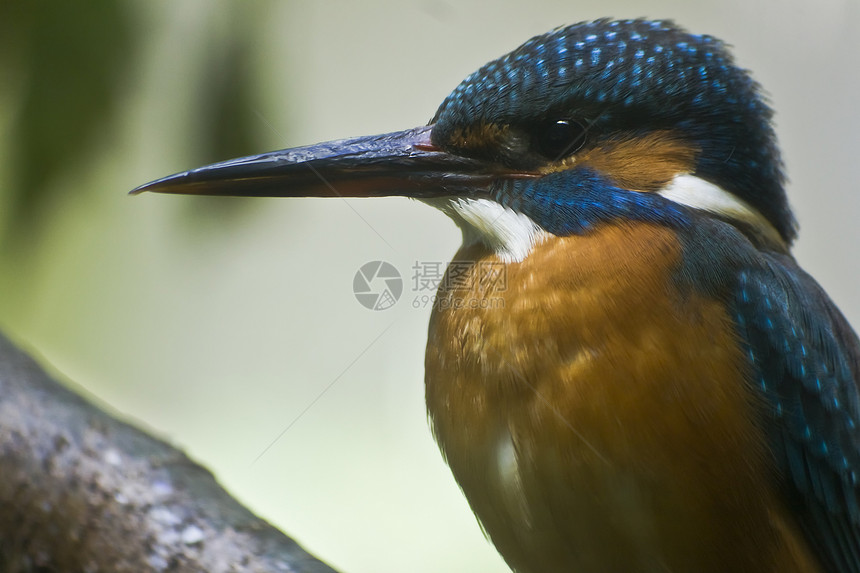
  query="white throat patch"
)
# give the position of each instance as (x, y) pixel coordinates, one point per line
(509, 234)
(512, 235)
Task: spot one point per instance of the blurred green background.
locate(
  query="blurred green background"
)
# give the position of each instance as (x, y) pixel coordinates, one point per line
(217, 322)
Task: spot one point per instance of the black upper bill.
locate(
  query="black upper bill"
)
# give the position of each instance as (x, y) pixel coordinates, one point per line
(402, 163)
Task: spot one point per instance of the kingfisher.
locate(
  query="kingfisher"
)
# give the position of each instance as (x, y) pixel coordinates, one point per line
(659, 387)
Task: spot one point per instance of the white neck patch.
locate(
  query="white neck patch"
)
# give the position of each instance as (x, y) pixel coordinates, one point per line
(512, 235)
(697, 193)
(509, 234)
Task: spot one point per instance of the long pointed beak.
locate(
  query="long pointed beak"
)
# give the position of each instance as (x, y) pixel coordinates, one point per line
(403, 163)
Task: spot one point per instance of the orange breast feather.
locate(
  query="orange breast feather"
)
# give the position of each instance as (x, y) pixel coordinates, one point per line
(597, 417)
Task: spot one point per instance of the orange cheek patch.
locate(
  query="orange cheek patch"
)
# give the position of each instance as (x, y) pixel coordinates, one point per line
(645, 163)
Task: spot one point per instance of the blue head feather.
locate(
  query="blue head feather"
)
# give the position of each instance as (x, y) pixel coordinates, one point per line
(634, 76)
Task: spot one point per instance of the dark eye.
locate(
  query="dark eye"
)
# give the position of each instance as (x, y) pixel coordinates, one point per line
(560, 138)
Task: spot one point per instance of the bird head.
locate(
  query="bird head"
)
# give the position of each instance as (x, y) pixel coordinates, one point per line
(589, 123)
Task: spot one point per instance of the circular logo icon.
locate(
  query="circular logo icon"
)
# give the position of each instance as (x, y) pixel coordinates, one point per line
(377, 285)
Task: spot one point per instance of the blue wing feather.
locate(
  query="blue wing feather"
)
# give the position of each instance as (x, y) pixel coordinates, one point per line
(806, 362)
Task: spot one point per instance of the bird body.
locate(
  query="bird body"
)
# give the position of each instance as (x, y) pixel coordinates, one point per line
(596, 427)
(626, 370)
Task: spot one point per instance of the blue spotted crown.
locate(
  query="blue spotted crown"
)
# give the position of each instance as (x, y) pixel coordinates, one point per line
(636, 76)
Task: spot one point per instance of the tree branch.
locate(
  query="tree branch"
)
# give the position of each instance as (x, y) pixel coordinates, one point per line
(83, 491)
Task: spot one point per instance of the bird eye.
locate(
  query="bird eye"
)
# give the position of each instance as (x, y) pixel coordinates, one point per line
(560, 138)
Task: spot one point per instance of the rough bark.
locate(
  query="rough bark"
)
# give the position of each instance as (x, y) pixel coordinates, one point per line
(83, 491)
